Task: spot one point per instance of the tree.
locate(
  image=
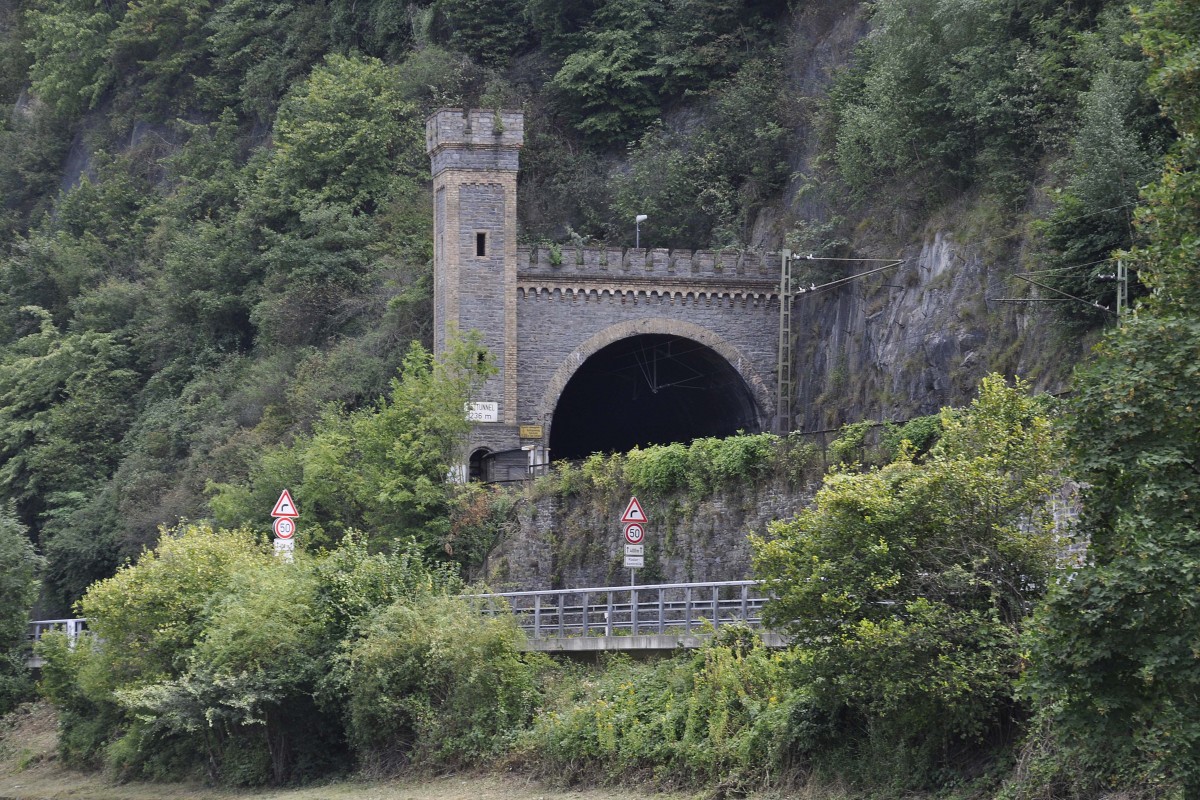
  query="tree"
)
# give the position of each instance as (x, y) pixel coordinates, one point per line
(20, 566)
(490, 31)
(382, 470)
(1114, 153)
(610, 85)
(1116, 665)
(211, 654)
(905, 586)
(71, 51)
(433, 680)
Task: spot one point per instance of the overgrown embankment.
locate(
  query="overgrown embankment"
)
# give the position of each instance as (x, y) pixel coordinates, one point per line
(703, 501)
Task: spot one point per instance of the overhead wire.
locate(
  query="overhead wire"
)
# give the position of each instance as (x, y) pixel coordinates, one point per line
(815, 290)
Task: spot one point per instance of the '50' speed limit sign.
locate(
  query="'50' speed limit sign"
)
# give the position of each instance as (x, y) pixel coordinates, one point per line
(634, 533)
(284, 527)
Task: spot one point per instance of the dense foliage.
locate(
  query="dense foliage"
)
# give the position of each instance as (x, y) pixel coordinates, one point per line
(20, 566)
(211, 656)
(216, 223)
(945, 96)
(214, 262)
(906, 587)
(380, 469)
(717, 717)
(1116, 659)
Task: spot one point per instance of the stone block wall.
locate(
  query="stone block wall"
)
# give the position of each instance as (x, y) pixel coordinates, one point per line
(561, 326)
(576, 542)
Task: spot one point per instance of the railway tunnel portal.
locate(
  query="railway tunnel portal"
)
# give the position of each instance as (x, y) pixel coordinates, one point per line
(598, 348)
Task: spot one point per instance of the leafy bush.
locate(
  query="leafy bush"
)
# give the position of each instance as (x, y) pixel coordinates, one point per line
(705, 185)
(716, 716)
(213, 658)
(432, 681)
(699, 468)
(1113, 154)
(906, 586)
(87, 721)
(660, 470)
(491, 31)
(249, 679)
(921, 434)
(850, 445)
(379, 470)
(609, 86)
(20, 566)
(1114, 655)
(945, 95)
(632, 55)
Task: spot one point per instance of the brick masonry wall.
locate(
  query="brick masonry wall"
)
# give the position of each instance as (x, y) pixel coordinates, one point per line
(740, 267)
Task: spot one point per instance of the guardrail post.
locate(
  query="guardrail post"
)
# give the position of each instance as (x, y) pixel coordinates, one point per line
(633, 609)
(537, 616)
(687, 609)
(661, 611)
(716, 604)
(745, 604)
(608, 615)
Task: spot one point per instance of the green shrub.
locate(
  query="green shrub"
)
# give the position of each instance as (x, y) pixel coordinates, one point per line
(908, 586)
(921, 433)
(719, 715)
(658, 469)
(433, 681)
(19, 568)
(850, 445)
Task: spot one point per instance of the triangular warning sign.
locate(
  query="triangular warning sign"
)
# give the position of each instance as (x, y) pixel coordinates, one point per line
(284, 507)
(633, 512)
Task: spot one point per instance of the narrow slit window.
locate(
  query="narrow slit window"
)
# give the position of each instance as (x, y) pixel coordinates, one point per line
(481, 244)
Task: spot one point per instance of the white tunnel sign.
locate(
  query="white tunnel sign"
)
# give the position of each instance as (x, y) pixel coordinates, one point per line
(482, 412)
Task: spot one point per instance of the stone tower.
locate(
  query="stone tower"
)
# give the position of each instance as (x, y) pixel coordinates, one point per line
(473, 155)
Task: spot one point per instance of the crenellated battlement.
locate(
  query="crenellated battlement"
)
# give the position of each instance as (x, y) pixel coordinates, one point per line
(474, 127)
(615, 263)
(474, 140)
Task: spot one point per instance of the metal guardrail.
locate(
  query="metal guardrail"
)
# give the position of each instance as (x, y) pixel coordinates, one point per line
(73, 628)
(665, 608)
(655, 609)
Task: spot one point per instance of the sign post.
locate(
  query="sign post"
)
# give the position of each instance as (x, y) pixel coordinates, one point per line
(284, 525)
(634, 522)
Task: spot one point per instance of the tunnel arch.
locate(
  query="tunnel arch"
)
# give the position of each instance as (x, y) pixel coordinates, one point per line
(707, 388)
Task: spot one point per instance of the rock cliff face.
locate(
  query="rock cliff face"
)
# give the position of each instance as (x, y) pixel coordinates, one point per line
(918, 337)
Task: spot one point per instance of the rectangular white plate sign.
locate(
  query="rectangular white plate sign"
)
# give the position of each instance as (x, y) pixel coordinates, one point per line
(483, 412)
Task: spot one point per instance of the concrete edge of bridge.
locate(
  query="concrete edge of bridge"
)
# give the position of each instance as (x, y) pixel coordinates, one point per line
(612, 644)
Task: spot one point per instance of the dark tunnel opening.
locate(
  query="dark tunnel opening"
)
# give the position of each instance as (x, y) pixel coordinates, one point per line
(650, 389)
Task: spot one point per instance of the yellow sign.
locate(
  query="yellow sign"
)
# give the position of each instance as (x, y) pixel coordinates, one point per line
(530, 431)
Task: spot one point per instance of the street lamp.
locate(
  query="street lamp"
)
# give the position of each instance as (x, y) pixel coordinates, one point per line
(637, 229)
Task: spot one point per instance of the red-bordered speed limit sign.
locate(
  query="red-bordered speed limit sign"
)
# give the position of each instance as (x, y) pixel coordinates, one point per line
(634, 533)
(284, 527)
